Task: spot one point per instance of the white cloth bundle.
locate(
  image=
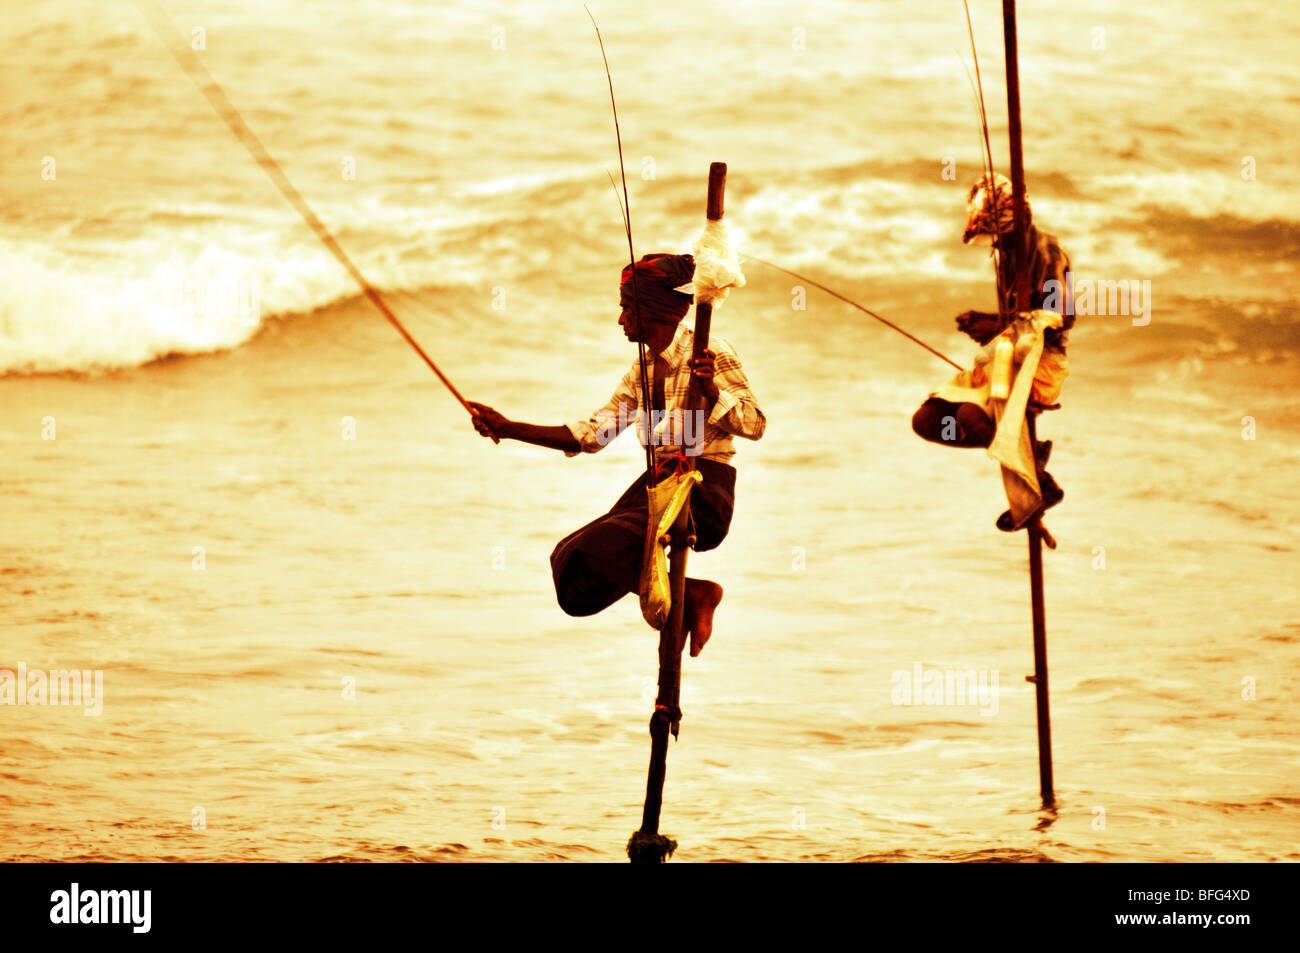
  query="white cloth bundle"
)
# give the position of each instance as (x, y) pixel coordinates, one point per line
(717, 265)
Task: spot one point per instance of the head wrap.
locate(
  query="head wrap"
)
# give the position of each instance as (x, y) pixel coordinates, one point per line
(990, 208)
(663, 287)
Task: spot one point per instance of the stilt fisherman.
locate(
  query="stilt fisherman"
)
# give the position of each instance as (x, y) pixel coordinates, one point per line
(597, 565)
(962, 412)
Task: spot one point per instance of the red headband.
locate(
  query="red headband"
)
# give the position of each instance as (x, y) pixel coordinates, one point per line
(657, 277)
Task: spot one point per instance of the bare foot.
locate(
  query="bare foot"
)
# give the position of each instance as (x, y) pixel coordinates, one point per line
(702, 598)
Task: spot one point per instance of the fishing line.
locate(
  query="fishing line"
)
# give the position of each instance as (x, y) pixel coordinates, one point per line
(180, 50)
(835, 294)
(975, 101)
(627, 225)
(979, 83)
(626, 208)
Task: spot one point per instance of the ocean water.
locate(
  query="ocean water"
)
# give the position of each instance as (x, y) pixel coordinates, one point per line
(370, 663)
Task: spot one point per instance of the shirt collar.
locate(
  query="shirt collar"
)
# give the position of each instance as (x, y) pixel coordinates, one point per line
(678, 349)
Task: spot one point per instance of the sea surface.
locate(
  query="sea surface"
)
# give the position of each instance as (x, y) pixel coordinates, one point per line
(321, 604)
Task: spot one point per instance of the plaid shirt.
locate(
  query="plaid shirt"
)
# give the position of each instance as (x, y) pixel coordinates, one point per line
(1047, 261)
(736, 412)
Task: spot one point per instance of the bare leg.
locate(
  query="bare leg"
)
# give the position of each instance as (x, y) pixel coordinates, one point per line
(702, 598)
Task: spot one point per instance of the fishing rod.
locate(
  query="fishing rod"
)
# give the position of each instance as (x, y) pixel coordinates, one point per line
(835, 294)
(194, 68)
(625, 207)
(978, 88)
(994, 252)
(647, 845)
(979, 85)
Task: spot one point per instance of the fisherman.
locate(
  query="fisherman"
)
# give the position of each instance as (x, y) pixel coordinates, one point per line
(959, 414)
(600, 563)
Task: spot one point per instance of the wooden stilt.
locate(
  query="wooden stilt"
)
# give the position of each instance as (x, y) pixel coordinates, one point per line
(1036, 533)
(647, 845)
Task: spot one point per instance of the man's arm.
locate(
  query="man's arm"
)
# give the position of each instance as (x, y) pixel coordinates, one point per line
(1054, 273)
(581, 436)
(489, 423)
(732, 406)
(983, 326)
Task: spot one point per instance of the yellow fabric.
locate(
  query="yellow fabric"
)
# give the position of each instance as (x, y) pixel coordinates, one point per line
(666, 500)
(1011, 446)
(973, 386)
(1053, 369)
(1038, 373)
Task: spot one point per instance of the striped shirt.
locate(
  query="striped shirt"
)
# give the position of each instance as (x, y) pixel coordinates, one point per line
(1047, 262)
(735, 414)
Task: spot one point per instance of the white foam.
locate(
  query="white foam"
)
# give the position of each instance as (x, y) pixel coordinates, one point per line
(112, 303)
(1203, 194)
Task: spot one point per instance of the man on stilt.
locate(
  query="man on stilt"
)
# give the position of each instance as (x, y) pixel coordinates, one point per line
(597, 565)
(962, 412)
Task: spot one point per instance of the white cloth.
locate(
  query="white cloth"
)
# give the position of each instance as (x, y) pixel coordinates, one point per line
(717, 265)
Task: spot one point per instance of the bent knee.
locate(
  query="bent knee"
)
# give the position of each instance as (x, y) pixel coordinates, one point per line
(921, 422)
(576, 608)
(704, 540)
(928, 420)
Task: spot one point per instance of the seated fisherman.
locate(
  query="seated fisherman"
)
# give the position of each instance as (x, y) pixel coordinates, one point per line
(597, 565)
(959, 414)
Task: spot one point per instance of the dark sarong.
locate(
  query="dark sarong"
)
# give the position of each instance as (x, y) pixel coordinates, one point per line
(597, 565)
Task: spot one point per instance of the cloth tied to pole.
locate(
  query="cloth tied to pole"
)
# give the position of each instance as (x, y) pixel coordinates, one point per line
(717, 265)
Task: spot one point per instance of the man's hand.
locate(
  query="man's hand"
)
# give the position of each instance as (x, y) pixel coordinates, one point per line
(980, 325)
(702, 372)
(488, 422)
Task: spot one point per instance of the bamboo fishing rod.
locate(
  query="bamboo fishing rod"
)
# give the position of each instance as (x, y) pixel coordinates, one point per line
(625, 207)
(995, 253)
(189, 61)
(978, 85)
(647, 845)
(835, 294)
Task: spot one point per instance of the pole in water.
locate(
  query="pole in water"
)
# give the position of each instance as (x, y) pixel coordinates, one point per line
(1035, 528)
(1045, 783)
(647, 845)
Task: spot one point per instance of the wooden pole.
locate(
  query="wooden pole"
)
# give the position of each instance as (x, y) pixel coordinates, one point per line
(714, 210)
(1017, 155)
(1035, 530)
(1035, 535)
(647, 845)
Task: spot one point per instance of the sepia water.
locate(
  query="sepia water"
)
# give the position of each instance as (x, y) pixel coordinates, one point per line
(321, 605)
